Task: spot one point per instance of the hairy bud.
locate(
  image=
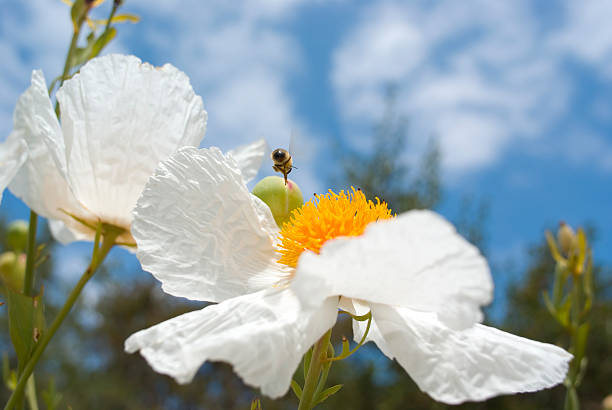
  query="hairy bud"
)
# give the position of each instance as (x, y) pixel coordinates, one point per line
(281, 198)
(17, 235)
(12, 270)
(566, 237)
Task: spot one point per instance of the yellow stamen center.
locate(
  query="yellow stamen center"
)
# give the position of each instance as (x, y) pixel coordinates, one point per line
(327, 217)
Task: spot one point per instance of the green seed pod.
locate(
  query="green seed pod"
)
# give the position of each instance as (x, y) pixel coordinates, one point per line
(12, 270)
(17, 235)
(281, 198)
(566, 238)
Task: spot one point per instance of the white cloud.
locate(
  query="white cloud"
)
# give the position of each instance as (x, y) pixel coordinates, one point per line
(481, 76)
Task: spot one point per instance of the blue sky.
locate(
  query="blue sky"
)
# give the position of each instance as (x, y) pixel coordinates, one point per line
(519, 94)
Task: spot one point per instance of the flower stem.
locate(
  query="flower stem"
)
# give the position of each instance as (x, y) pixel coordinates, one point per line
(107, 244)
(28, 283)
(319, 355)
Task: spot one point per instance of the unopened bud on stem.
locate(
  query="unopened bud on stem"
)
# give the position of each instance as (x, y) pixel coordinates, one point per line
(566, 237)
(281, 198)
(17, 235)
(12, 270)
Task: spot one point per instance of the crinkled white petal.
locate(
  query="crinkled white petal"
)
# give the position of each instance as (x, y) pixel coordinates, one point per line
(120, 117)
(473, 364)
(415, 260)
(201, 233)
(13, 153)
(263, 335)
(40, 183)
(249, 158)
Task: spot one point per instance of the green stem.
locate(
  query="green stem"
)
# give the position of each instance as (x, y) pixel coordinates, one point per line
(107, 244)
(311, 382)
(28, 283)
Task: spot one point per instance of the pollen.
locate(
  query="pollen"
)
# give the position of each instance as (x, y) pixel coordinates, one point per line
(327, 217)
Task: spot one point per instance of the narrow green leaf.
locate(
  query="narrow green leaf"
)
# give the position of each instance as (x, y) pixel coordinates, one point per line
(102, 41)
(549, 305)
(327, 393)
(126, 17)
(256, 404)
(51, 397)
(582, 251)
(6, 369)
(561, 275)
(307, 358)
(581, 341)
(563, 313)
(552, 245)
(26, 324)
(297, 390)
(81, 54)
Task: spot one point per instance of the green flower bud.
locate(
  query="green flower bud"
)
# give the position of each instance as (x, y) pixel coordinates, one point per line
(281, 198)
(12, 270)
(17, 235)
(566, 237)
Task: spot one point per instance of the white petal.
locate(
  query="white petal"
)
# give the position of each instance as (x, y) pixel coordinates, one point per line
(416, 260)
(40, 182)
(201, 233)
(263, 335)
(64, 235)
(13, 153)
(249, 158)
(120, 117)
(473, 364)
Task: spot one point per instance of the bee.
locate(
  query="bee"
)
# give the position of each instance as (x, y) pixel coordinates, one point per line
(282, 158)
(283, 162)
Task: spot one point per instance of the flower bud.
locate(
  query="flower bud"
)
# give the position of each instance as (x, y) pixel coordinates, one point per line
(12, 270)
(281, 198)
(566, 237)
(17, 235)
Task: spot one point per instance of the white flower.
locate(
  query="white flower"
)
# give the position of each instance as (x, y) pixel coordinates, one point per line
(119, 118)
(205, 237)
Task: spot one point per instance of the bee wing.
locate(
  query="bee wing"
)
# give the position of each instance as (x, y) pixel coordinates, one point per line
(292, 142)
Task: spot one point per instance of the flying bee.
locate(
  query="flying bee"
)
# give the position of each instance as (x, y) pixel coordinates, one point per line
(282, 159)
(283, 162)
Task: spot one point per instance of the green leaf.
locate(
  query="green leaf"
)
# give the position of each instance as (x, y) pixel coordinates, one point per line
(10, 378)
(563, 313)
(102, 41)
(256, 404)
(327, 393)
(561, 275)
(581, 341)
(582, 251)
(82, 54)
(51, 397)
(296, 389)
(552, 245)
(26, 324)
(549, 305)
(588, 284)
(307, 358)
(126, 17)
